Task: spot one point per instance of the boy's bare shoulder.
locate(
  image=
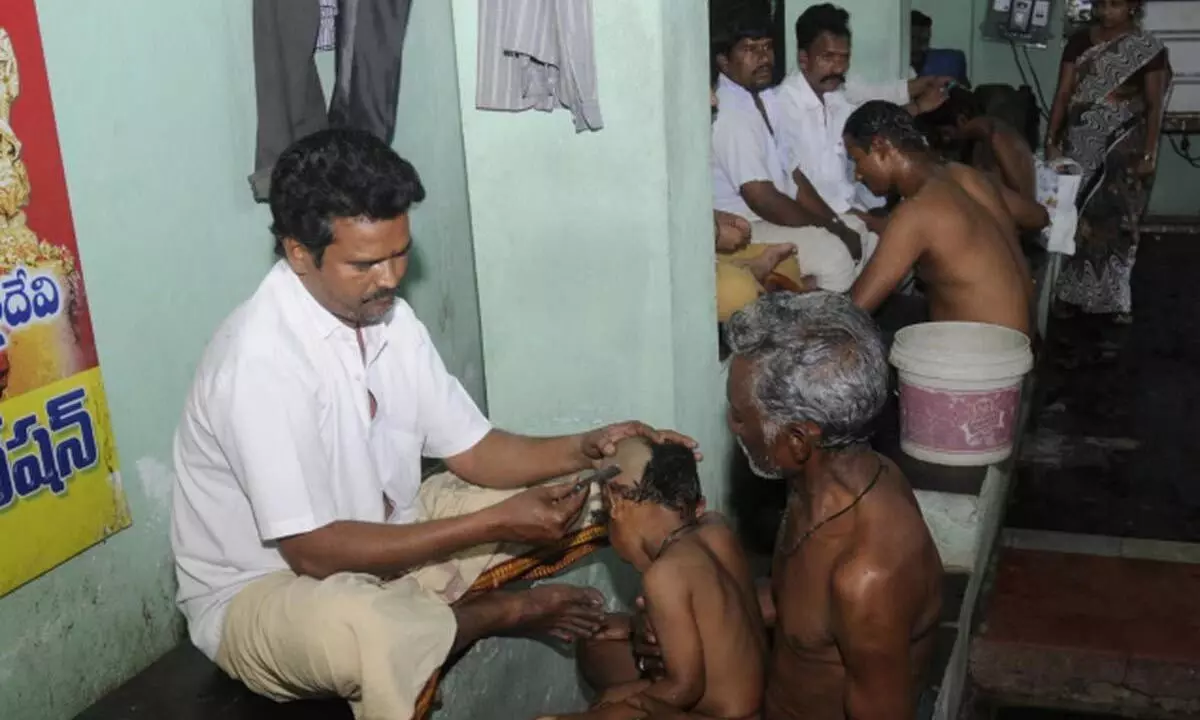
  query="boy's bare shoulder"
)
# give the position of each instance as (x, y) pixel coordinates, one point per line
(671, 573)
(716, 529)
(688, 558)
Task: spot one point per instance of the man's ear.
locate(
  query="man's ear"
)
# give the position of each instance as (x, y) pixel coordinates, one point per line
(802, 439)
(802, 59)
(299, 257)
(881, 146)
(723, 63)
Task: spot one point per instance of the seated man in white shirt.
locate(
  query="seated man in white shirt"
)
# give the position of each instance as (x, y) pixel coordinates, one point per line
(815, 102)
(751, 177)
(299, 514)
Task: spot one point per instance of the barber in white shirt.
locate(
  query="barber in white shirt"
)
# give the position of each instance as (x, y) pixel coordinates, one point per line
(815, 102)
(304, 536)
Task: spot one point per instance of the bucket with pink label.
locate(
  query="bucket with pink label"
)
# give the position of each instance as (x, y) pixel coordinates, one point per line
(960, 391)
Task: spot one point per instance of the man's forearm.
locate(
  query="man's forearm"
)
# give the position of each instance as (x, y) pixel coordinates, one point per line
(779, 209)
(875, 223)
(812, 202)
(504, 460)
(385, 550)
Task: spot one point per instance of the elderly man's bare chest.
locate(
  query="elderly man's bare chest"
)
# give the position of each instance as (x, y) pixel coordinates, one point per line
(801, 575)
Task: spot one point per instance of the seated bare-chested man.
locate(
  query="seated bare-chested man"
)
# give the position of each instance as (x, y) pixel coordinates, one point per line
(697, 591)
(855, 590)
(962, 132)
(954, 226)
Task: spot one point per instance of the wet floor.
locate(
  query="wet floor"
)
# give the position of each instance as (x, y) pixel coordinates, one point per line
(1113, 447)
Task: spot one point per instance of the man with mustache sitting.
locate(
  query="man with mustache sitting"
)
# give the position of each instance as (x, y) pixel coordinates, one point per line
(761, 169)
(815, 102)
(751, 175)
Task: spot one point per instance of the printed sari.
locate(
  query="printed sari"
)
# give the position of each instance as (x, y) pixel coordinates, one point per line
(1107, 121)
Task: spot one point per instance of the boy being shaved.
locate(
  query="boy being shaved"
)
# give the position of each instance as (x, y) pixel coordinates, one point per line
(698, 592)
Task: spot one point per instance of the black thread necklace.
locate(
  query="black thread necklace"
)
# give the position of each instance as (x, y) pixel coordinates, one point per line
(673, 536)
(783, 523)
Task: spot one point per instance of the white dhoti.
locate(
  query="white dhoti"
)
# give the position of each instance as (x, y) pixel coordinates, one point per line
(819, 252)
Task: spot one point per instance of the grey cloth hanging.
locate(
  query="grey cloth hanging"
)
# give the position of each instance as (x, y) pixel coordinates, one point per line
(288, 93)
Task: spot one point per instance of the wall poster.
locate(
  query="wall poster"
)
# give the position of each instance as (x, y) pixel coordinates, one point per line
(60, 490)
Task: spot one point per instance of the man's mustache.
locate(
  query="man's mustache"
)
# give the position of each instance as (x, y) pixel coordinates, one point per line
(381, 295)
(836, 76)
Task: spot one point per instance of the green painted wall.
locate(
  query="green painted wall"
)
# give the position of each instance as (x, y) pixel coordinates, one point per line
(956, 24)
(156, 119)
(441, 283)
(595, 275)
(155, 146)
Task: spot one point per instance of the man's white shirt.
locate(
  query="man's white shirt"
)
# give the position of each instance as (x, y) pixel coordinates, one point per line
(277, 437)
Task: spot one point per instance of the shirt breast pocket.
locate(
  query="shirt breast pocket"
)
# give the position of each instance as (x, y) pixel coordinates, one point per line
(397, 456)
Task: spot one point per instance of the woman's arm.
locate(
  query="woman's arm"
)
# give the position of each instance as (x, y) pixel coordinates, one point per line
(1156, 91)
(1062, 95)
(1058, 112)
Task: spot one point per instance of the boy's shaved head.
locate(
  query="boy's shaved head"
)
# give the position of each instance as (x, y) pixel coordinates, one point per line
(662, 473)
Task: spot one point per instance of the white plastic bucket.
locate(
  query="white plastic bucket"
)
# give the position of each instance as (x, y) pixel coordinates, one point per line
(960, 391)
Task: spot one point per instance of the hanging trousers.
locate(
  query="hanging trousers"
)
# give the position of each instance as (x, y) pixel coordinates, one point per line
(290, 100)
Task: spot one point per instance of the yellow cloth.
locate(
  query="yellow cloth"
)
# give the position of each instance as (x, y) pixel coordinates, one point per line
(372, 642)
(737, 287)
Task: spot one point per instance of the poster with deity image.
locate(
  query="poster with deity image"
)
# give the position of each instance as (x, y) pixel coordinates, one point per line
(60, 490)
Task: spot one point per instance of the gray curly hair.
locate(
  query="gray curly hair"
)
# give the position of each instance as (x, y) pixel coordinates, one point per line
(817, 357)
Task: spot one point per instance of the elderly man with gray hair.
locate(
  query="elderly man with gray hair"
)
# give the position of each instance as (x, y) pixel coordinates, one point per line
(855, 592)
(856, 580)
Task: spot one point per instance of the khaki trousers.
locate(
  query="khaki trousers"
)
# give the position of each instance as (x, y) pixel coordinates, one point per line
(355, 636)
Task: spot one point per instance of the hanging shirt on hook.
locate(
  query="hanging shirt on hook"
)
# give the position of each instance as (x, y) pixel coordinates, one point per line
(538, 54)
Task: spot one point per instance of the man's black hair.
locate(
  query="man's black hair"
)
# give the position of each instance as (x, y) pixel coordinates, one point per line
(885, 120)
(960, 103)
(818, 19)
(337, 173)
(670, 479)
(746, 24)
(920, 19)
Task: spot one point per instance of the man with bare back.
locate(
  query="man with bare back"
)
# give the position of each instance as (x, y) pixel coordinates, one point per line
(956, 226)
(961, 131)
(855, 588)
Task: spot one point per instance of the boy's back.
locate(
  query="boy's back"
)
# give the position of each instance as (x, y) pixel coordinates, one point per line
(702, 602)
(697, 593)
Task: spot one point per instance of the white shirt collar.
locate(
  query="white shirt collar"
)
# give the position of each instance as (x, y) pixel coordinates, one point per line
(730, 94)
(315, 316)
(805, 96)
(808, 99)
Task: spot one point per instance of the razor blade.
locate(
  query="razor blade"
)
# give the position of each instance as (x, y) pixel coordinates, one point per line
(599, 477)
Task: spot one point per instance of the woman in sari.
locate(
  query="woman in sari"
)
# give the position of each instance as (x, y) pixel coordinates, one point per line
(1107, 116)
